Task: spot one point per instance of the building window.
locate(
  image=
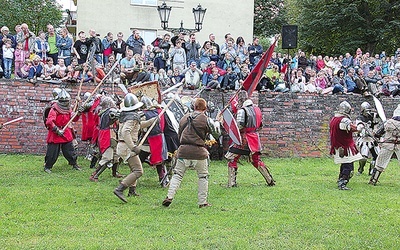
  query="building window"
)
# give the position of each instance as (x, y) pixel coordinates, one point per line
(144, 2)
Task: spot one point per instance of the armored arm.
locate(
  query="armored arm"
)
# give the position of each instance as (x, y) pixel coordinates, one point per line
(215, 127)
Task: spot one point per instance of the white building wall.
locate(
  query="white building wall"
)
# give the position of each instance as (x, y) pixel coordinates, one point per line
(222, 16)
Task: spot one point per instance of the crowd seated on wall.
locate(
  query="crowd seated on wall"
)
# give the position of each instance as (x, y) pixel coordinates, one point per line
(59, 58)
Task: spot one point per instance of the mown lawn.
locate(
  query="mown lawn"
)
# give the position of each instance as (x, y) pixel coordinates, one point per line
(305, 210)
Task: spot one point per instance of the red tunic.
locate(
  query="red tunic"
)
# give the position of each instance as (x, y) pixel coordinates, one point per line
(341, 138)
(89, 121)
(251, 134)
(59, 117)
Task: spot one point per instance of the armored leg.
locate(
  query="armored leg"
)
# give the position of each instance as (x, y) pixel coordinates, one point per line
(371, 166)
(232, 171)
(162, 175)
(361, 165)
(93, 161)
(101, 170)
(260, 166)
(374, 176)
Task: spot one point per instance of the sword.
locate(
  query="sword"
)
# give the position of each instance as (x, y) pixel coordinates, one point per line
(91, 94)
(171, 88)
(122, 86)
(379, 109)
(15, 120)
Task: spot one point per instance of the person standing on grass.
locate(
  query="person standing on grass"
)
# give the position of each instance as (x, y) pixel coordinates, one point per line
(343, 147)
(390, 144)
(128, 149)
(366, 141)
(107, 138)
(193, 130)
(249, 120)
(59, 137)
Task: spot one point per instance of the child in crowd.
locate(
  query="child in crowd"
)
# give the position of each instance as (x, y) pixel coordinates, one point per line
(49, 69)
(163, 79)
(84, 74)
(61, 69)
(19, 60)
(177, 77)
(36, 69)
(42, 46)
(212, 80)
(8, 56)
(280, 84)
(24, 71)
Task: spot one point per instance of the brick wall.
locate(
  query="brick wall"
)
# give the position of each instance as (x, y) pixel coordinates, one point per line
(295, 125)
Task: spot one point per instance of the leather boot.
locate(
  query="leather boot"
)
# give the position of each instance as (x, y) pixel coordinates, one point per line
(374, 176)
(119, 192)
(93, 162)
(266, 174)
(132, 192)
(91, 178)
(115, 172)
(232, 173)
(100, 170)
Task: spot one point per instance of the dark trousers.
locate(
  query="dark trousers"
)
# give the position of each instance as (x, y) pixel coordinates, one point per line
(53, 150)
(346, 170)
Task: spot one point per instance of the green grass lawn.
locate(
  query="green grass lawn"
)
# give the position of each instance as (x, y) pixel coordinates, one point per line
(305, 210)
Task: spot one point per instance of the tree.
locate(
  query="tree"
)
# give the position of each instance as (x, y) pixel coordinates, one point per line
(269, 16)
(337, 27)
(37, 14)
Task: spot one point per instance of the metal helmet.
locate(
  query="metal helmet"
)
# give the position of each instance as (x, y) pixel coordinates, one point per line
(147, 102)
(107, 102)
(365, 109)
(64, 99)
(242, 97)
(344, 108)
(55, 93)
(248, 102)
(211, 106)
(86, 96)
(131, 102)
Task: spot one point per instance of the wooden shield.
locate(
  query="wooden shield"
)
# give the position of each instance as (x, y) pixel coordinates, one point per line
(150, 89)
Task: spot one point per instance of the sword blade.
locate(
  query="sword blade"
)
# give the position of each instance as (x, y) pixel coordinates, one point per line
(15, 120)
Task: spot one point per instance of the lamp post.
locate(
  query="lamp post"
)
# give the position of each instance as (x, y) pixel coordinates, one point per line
(164, 12)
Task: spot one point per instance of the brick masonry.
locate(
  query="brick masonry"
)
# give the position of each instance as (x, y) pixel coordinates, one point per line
(295, 125)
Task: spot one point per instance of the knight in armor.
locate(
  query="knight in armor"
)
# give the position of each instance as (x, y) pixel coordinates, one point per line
(60, 137)
(366, 141)
(90, 121)
(343, 147)
(128, 149)
(193, 130)
(390, 144)
(249, 121)
(107, 138)
(155, 147)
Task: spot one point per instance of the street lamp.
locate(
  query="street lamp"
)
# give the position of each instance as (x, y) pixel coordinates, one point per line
(164, 11)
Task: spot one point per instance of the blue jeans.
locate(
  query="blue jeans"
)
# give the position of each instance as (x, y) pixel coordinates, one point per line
(7, 67)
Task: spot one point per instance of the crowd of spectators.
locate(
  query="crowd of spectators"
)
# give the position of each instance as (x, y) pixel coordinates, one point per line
(174, 59)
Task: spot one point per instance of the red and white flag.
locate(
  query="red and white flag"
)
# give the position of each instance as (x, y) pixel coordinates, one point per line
(251, 81)
(231, 127)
